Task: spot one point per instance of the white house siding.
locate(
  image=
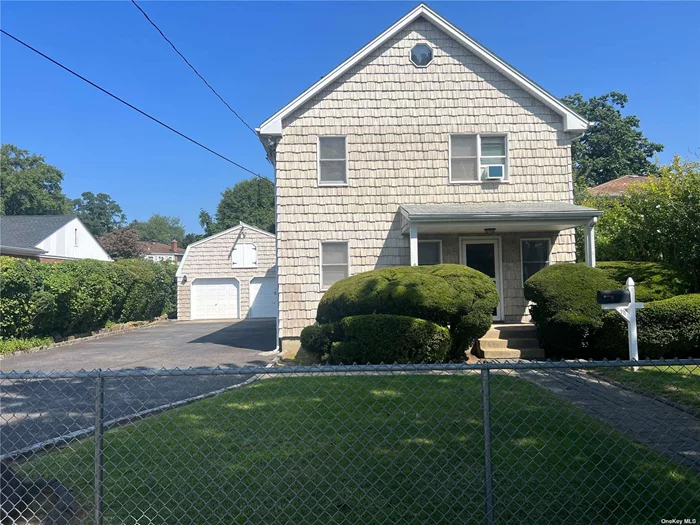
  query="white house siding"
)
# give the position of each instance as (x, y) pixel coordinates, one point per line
(62, 243)
(212, 258)
(397, 119)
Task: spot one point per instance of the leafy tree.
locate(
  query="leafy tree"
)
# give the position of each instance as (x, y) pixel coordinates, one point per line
(192, 237)
(122, 243)
(100, 213)
(613, 146)
(251, 201)
(29, 185)
(159, 228)
(658, 221)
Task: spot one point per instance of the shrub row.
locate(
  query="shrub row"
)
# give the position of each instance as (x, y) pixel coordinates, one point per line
(653, 281)
(402, 314)
(8, 346)
(572, 324)
(453, 296)
(378, 338)
(70, 297)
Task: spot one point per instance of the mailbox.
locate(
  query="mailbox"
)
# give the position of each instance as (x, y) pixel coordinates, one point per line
(613, 296)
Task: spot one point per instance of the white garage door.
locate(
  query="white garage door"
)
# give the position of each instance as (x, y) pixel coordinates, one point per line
(263, 297)
(214, 299)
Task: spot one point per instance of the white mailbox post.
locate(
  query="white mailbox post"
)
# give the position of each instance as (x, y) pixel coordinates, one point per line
(628, 311)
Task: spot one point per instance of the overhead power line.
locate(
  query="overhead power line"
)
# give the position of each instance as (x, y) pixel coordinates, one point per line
(192, 67)
(154, 119)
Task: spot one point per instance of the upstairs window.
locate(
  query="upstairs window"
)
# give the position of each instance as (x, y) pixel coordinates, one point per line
(332, 161)
(75, 238)
(478, 158)
(335, 262)
(244, 256)
(535, 256)
(421, 55)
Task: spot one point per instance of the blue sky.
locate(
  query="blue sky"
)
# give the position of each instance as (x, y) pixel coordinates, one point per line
(261, 55)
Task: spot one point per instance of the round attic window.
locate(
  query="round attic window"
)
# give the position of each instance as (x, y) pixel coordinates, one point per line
(421, 55)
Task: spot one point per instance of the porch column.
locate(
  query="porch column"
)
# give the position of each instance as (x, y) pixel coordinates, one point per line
(413, 245)
(590, 243)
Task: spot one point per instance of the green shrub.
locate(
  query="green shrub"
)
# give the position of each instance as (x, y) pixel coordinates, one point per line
(566, 310)
(383, 338)
(316, 339)
(8, 346)
(653, 281)
(670, 328)
(79, 296)
(450, 295)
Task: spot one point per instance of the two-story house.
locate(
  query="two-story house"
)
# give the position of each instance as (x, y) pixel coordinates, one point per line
(423, 147)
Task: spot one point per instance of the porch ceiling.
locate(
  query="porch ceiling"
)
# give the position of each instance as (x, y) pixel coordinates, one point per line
(503, 216)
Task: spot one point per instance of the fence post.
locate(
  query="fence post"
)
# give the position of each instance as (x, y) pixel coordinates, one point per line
(99, 420)
(486, 394)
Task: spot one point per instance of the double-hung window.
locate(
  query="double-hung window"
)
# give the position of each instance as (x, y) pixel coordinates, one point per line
(335, 262)
(478, 158)
(535, 256)
(332, 161)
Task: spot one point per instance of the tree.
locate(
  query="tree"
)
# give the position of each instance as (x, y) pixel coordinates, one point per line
(192, 237)
(29, 185)
(100, 213)
(251, 201)
(613, 146)
(122, 243)
(159, 228)
(658, 221)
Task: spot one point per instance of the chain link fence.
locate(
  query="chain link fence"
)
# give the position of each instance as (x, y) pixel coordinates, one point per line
(519, 442)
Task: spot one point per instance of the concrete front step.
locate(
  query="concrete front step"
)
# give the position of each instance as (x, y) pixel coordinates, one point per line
(509, 341)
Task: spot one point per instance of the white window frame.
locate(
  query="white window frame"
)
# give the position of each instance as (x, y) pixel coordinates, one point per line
(522, 260)
(320, 261)
(432, 54)
(318, 161)
(75, 242)
(506, 167)
(438, 241)
(244, 265)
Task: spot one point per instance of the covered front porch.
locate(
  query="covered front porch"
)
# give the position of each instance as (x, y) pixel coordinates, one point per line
(507, 241)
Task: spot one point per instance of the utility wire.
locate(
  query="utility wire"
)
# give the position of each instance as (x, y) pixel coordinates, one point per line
(133, 107)
(192, 67)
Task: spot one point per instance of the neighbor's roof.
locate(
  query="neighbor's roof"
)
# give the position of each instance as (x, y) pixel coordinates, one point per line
(616, 187)
(148, 248)
(572, 120)
(26, 231)
(497, 210)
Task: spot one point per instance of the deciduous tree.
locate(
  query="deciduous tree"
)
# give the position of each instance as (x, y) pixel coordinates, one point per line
(251, 201)
(159, 228)
(122, 243)
(100, 213)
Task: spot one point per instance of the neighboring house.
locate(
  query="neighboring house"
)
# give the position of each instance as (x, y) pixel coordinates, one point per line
(423, 147)
(157, 251)
(48, 238)
(616, 187)
(230, 275)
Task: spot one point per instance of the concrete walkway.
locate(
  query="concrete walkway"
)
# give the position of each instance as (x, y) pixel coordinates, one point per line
(669, 431)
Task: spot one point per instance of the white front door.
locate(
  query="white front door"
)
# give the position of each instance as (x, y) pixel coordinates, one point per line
(263, 297)
(214, 298)
(484, 254)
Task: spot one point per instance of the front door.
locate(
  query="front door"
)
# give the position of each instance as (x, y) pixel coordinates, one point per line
(484, 255)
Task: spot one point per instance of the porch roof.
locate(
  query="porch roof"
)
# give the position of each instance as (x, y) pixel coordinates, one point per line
(503, 216)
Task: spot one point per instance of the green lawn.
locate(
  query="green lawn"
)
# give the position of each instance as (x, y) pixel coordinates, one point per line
(679, 384)
(370, 449)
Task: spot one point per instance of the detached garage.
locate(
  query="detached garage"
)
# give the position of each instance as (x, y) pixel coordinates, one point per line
(230, 275)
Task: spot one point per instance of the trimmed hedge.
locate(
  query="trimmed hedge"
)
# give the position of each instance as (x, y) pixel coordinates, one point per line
(670, 328)
(317, 339)
(70, 297)
(566, 310)
(381, 338)
(653, 281)
(450, 295)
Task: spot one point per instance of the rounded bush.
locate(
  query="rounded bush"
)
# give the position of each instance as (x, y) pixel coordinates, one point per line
(670, 328)
(566, 310)
(450, 295)
(316, 339)
(385, 338)
(653, 281)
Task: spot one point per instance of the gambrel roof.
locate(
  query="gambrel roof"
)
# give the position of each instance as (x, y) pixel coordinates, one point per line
(573, 122)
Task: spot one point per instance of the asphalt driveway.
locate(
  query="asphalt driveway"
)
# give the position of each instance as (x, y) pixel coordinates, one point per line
(37, 410)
